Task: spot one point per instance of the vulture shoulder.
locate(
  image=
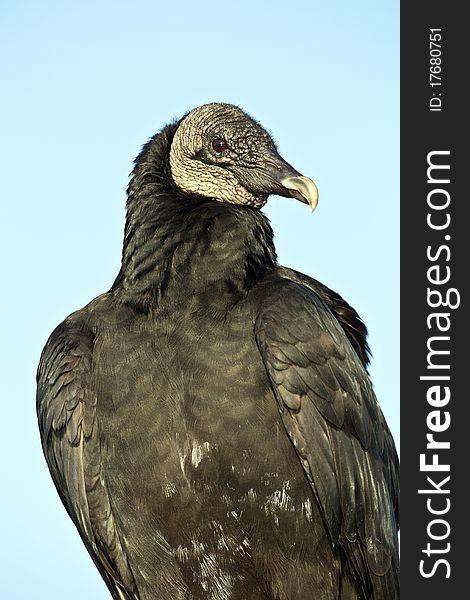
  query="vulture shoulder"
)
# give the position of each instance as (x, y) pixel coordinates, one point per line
(348, 318)
(66, 406)
(333, 419)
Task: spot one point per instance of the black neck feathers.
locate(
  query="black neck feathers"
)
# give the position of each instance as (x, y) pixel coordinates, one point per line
(182, 241)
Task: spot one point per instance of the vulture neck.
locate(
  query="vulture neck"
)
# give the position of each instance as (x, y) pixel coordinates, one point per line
(184, 249)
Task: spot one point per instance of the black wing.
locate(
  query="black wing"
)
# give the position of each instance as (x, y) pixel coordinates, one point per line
(332, 417)
(348, 318)
(66, 407)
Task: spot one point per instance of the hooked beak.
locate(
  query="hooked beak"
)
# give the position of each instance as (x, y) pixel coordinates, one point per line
(276, 176)
(302, 188)
(287, 181)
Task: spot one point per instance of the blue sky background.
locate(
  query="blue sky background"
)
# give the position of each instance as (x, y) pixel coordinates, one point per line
(84, 85)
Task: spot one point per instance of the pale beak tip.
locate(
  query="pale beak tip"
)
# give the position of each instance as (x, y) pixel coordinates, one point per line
(304, 189)
(313, 198)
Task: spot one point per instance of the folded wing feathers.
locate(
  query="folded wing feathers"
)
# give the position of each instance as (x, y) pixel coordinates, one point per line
(66, 411)
(339, 433)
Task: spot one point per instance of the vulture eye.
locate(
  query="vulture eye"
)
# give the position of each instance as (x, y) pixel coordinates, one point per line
(219, 145)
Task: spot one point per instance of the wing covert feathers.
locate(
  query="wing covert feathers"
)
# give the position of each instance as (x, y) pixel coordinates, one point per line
(66, 406)
(333, 419)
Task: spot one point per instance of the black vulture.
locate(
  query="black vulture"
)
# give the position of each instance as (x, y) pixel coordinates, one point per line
(209, 422)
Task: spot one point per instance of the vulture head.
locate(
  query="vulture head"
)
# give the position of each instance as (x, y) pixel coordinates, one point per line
(220, 152)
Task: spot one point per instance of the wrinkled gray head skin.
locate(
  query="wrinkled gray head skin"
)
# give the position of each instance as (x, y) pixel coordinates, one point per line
(220, 152)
